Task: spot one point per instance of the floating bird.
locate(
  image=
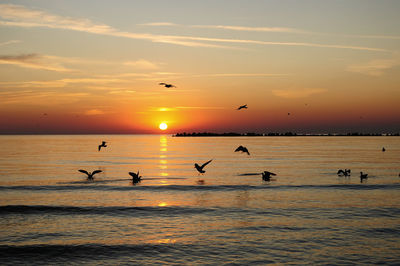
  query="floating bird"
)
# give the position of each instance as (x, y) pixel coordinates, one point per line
(200, 168)
(136, 178)
(363, 176)
(89, 174)
(166, 85)
(346, 172)
(103, 144)
(266, 176)
(288, 113)
(383, 149)
(242, 107)
(242, 149)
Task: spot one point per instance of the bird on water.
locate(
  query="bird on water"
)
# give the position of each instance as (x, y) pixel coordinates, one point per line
(242, 149)
(346, 172)
(266, 176)
(103, 144)
(136, 178)
(363, 176)
(200, 168)
(90, 174)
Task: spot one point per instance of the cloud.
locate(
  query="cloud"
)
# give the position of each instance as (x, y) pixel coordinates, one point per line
(142, 64)
(9, 42)
(33, 61)
(257, 29)
(94, 112)
(374, 68)
(19, 16)
(297, 93)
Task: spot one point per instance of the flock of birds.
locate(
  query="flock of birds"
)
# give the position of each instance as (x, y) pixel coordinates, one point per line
(266, 175)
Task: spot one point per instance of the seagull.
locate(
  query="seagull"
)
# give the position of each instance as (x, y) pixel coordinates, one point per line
(103, 144)
(136, 178)
(266, 176)
(166, 85)
(383, 149)
(242, 149)
(200, 168)
(89, 174)
(242, 107)
(346, 172)
(363, 176)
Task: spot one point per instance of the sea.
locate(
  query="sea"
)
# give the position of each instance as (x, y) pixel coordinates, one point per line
(50, 214)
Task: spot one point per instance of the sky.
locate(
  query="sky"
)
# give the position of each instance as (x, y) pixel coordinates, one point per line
(94, 66)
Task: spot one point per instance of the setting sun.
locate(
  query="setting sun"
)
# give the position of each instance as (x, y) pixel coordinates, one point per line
(163, 126)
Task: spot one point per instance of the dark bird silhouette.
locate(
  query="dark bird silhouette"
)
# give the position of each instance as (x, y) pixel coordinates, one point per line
(383, 149)
(266, 176)
(103, 144)
(242, 107)
(90, 174)
(242, 149)
(346, 172)
(288, 113)
(166, 85)
(200, 168)
(136, 178)
(363, 176)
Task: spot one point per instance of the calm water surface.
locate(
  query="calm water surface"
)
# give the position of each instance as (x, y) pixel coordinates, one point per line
(50, 213)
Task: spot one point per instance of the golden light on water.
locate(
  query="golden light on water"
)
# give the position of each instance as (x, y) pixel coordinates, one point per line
(163, 126)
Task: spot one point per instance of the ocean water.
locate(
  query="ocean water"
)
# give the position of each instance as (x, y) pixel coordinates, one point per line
(50, 213)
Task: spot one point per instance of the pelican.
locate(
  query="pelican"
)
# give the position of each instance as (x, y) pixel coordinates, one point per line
(363, 176)
(166, 85)
(200, 168)
(242, 107)
(266, 176)
(136, 178)
(90, 174)
(103, 144)
(242, 149)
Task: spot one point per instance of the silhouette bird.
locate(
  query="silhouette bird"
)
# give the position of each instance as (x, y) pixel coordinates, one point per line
(242, 149)
(200, 168)
(90, 174)
(363, 176)
(266, 176)
(242, 107)
(136, 178)
(166, 85)
(103, 144)
(346, 172)
(383, 149)
(288, 113)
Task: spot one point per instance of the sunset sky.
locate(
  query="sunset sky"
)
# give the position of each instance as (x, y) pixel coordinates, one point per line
(95, 66)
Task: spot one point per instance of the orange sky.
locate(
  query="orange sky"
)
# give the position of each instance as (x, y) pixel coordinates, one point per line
(68, 67)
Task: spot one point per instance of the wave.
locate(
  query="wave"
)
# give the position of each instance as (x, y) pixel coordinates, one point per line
(92, 186)
(173, 211)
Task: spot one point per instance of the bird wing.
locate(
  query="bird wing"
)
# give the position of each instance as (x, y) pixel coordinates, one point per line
(246, 150)
(103, 143)
(100, 147)
(161, 83)
(240, 148)
(204, 164)
(84, 171)
(96, 171)
(270, 173)
(132, 174)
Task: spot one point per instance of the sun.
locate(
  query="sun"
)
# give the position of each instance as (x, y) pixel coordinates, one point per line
(163, 126)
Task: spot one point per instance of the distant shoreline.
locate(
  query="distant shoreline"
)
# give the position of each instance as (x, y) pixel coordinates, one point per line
(287, 134)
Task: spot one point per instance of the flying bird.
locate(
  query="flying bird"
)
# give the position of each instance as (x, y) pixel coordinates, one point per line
(346, 172)
(90, 174)
(266, 176)
(242, 149)
(136, 178)
(363, 176)
(166, 85)
(103, 144)
(200, 168)
(242, 107)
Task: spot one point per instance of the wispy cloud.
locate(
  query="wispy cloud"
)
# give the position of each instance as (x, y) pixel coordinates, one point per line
(143, 64)
(20, 16)
(374, 68)
(33, 61)
(94, 112)
(9, 42)
(297, 93)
